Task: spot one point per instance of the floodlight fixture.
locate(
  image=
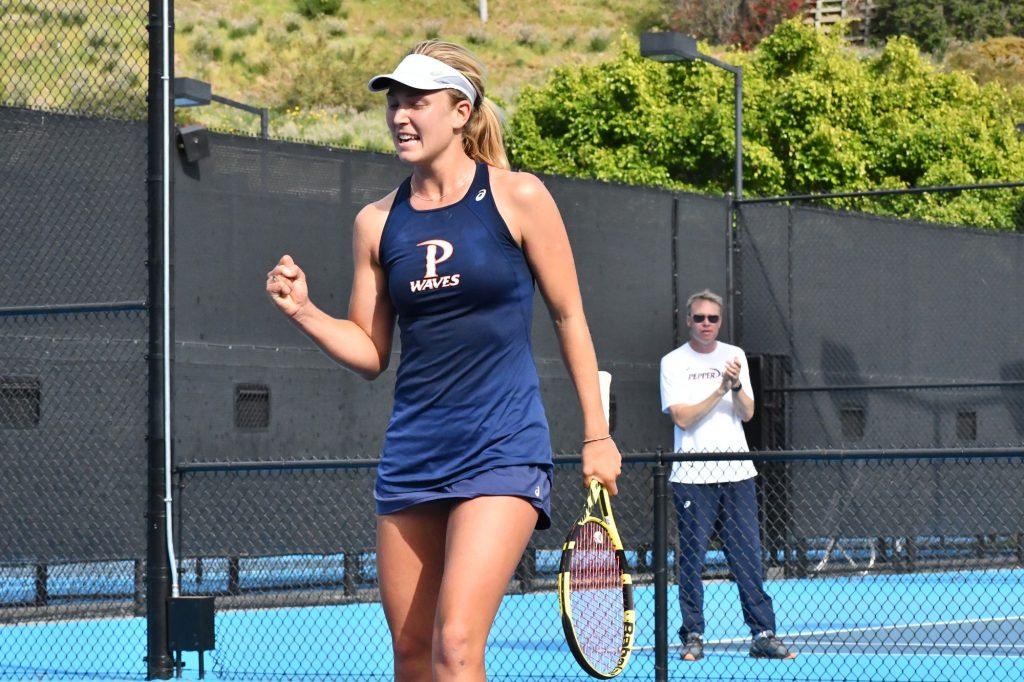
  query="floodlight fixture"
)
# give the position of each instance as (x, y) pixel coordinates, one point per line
(189, 92)
(668, 46)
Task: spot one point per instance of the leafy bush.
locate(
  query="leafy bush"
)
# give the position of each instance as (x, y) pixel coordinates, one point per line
(334, 27)
(998, 60)
(743, 22)
(292, 22)
(244, 27)
(311, 9)
(205, 44)
(477, 36)
(817, 118)
(99, 36)
(72, 18)
(525, 35)
(933, 24)
(276, 36)
(330, 79)
(758, 18)
(598, 40)
(432, 29)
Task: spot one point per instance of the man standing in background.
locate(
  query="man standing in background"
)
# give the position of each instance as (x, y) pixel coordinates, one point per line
(705, 388)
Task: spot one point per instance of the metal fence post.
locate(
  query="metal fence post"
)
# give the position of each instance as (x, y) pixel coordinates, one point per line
(660, 479)
(730, 275)
(42, 597)
(158, 579)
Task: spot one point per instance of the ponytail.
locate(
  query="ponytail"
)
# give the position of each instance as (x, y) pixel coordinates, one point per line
(482, 136)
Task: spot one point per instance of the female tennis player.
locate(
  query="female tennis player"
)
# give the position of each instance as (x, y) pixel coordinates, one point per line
(453, 253)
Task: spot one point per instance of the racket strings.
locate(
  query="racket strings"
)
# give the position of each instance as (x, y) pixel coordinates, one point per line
(596, 596)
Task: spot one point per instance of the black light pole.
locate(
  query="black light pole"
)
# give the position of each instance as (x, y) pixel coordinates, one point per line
(262, 112)
(660, 566)
(158, 579)
(676, 47)
(189, 92)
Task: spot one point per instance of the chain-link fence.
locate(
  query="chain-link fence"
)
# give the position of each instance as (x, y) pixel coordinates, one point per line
(865, 567)
(81, 57)
(882, 333)
(868, 334)
(73, 337)
(289, 553)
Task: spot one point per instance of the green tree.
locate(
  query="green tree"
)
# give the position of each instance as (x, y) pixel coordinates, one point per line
(742, 22)
(934, 23)
(996, 59)
(817, 118)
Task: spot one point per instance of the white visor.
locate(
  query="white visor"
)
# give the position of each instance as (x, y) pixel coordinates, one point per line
(421, 72)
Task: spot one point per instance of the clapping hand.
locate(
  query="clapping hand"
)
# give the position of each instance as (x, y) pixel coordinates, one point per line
(731, 375)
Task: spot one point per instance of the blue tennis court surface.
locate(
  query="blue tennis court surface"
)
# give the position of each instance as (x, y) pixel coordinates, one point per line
(880, 627)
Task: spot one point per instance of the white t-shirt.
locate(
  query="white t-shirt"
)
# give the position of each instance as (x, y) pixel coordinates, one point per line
(687, 378)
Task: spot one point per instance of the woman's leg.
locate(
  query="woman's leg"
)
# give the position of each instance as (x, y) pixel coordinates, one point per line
(410, 562)
(486, 536)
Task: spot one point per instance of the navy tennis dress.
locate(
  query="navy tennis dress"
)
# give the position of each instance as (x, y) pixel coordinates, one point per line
(467, 418)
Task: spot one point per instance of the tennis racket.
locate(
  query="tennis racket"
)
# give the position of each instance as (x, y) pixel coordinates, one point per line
(595, 590)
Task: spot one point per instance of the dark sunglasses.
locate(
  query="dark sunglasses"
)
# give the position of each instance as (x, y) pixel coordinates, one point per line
(713, 319)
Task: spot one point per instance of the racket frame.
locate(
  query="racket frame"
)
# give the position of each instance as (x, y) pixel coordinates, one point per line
(597, 498)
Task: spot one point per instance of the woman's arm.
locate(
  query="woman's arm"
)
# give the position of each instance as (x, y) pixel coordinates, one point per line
(533, 218)
(361, 343)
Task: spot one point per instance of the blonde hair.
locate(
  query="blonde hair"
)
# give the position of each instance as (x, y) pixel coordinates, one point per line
(704, 295)
(481, 138)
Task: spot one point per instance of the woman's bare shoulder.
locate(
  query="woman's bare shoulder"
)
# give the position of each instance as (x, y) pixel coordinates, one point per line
(375, 213)
(369, 223)
(520, 187)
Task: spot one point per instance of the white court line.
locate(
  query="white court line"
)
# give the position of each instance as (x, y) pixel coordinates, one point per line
(900, 654)
(877, 628)
(868, 628)
(908, 645)
(834, 652)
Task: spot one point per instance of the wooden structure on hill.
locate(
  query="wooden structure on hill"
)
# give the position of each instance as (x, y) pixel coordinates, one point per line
(825, 13)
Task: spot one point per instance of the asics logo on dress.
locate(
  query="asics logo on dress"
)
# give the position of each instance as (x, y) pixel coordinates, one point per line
(481, 194)
(438, 251)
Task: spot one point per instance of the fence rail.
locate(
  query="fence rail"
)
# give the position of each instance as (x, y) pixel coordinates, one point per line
(872, 558)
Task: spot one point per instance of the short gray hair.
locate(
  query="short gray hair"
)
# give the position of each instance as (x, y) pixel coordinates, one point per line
(704, 295)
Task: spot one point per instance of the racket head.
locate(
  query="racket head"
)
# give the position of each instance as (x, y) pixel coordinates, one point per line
(595, 590)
